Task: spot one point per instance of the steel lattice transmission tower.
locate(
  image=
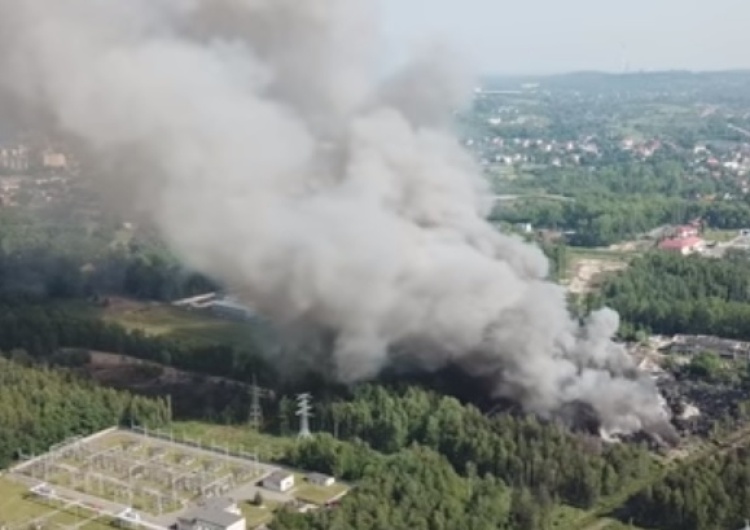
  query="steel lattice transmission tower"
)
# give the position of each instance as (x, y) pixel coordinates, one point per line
(304, 411)
(256, 411)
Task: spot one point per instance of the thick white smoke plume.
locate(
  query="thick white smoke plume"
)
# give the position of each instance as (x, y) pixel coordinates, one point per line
(273, 158)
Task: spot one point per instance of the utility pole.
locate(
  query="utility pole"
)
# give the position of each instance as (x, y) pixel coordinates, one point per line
(304, 411)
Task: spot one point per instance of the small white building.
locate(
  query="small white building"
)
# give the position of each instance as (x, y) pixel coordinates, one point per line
(54, 160)
(319, 479)
(279, 481)
(214, 514)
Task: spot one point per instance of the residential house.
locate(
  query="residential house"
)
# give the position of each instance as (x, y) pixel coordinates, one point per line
(683, 245)
(686, 231)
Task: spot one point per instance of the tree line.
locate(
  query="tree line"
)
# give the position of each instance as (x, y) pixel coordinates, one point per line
(40, 407)
(42, 330)
(414, 488)
(545, 458)
(595, 221)
(668, 293)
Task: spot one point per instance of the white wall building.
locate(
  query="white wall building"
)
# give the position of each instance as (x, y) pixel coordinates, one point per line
(318, 479)
(214, 514)
(54, 160)
(279, 481)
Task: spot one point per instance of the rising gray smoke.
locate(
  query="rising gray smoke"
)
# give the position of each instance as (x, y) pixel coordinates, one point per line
(272, 157)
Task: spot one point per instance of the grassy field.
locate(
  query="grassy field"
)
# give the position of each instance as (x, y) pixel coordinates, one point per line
(566, 517)
(600, 253)
(16, 509)
(563, 516)
(269, 447)
(313, 494)
(183, 325)
(258, 515)
(586, 269)
(171, 322)
(659, 118)
(611, 524)
(720, 236)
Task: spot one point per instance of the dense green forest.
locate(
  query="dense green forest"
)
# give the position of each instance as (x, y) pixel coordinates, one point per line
(669, 294)
(514, 461)
(45, 334)
(52, 257)
(414, 488)
(712, 493)
(40, 407)
(41, 330)
(421, 460)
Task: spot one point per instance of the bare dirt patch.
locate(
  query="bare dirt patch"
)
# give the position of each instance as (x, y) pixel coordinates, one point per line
(588, 273)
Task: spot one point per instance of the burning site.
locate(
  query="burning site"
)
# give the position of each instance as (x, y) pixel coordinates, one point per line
(264, 141)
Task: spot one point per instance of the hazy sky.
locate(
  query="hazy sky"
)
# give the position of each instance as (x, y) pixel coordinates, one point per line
(544, 36)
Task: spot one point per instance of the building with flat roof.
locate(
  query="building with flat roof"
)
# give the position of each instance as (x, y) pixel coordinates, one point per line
(279, 481)
(54, 160)
(214, 514)
(319, 479)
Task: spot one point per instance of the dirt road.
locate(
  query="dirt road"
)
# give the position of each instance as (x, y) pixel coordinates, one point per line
(589, 272)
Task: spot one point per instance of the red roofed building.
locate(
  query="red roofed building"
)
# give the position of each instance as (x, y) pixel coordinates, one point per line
(686, 231)
(683, 245)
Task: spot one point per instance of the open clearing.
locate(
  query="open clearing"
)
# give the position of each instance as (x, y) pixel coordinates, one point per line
(587, 268)
(318, 495)
(720, 236)
(587, 272)
(268, 447)
(258, 515)
(18, 510)
(174, 323)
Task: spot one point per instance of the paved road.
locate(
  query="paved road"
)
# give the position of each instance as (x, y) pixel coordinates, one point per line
(739, 242)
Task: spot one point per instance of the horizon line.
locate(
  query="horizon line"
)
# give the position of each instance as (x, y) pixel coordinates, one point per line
(594, 71)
